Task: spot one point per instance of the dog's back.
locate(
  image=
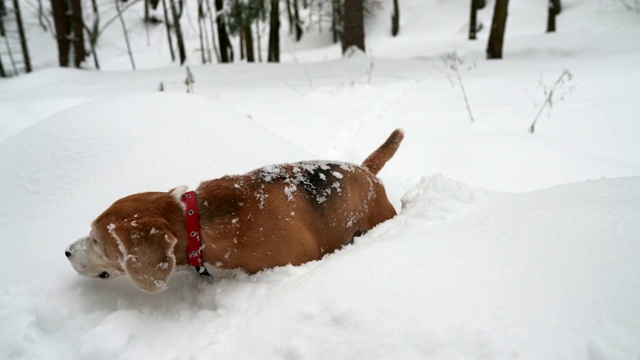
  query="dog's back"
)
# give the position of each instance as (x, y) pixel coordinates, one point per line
(293, 213)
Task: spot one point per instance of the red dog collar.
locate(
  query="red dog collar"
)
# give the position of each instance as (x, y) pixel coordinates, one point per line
(192, 221)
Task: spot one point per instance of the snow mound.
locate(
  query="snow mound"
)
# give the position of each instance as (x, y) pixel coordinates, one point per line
(436, 198)
(546, 274)
(13, 121)
(136, 143)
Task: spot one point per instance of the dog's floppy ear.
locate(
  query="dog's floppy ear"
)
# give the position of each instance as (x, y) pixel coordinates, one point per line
(147, 249)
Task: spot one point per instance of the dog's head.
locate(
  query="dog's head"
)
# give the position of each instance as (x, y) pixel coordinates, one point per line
(131, 237)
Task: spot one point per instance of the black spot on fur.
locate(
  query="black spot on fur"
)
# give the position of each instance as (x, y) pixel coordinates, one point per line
(320, 182)
(321, 185)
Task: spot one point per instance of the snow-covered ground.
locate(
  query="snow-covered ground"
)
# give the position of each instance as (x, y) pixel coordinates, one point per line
(508, 244)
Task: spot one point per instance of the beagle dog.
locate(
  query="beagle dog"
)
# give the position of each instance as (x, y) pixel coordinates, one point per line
(269, 217)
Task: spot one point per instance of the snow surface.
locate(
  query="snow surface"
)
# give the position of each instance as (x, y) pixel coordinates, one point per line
(507, 245)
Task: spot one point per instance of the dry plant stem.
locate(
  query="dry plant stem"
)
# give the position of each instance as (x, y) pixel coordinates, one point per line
(189, 81)
(452, 65)
(464, 94)
(548, 101)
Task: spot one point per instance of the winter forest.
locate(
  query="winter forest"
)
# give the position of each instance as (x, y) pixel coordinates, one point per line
(76, 26)
(516, 186)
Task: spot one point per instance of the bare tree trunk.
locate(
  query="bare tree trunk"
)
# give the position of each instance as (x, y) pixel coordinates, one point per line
(59, 9)
(93, 38)
(146, 21)
(41, 17)
(126, 34)
(473, 20)
(296, 18)
(200, 31)
(213, 31)
(395, 19)
(23, 38)
(258, 40)
(3, 12)
(178, 29)
(14, 66)
(166, 25)
(78, 33)
(336, 19)
(353, 25)
(241, 41)
(554, 10)
(274, 32)
(320, 11)
(92, 33)
(498, 28)
(206, 36)
(290, 16)
(67, 15)
(94, 54)
(226, 50)
(248, 42)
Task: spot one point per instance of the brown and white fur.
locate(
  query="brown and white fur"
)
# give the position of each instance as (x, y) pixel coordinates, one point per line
(272, 216)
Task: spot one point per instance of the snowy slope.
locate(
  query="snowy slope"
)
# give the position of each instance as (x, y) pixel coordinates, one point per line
(464, 271)
(461, 272)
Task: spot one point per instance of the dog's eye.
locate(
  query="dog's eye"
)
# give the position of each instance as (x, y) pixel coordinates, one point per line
(103, 275)
(95, 241)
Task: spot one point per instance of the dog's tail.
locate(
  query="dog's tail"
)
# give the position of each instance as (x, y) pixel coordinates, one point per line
(375, 162)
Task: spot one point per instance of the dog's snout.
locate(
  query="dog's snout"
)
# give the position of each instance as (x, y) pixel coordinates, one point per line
(68, 251)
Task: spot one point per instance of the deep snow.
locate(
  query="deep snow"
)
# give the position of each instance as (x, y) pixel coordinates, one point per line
(468, 269)
(461, 272)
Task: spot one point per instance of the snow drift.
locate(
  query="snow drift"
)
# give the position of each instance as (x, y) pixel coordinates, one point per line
(461, 272)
